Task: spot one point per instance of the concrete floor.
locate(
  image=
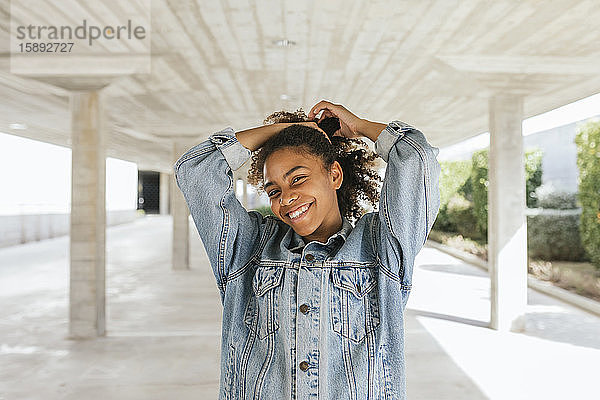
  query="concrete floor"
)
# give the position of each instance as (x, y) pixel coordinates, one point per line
(163, 329)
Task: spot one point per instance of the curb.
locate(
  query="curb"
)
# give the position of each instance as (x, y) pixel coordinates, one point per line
(584, 303)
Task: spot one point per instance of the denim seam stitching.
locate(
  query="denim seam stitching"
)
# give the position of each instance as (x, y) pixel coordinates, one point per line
(423, 157)
(350, 373)
(374, 228)
(266, 365)
(246, 357)
(227, 144)
(370, 343)
(193, 154)
(224, 233)
(389, 273)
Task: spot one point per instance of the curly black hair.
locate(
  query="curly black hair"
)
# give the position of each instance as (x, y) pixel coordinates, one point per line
(360, 179)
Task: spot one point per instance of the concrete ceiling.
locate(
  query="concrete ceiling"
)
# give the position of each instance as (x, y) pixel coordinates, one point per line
(433, 64)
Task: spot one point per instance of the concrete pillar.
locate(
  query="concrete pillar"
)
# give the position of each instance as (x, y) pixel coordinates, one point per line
(507, 225)
(88, 216)
(163, 201)
(180, 212)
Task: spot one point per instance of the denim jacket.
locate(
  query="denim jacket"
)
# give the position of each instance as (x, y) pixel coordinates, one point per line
(313, 320)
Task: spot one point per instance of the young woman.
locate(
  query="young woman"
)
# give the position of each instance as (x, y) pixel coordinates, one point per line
(313, 306)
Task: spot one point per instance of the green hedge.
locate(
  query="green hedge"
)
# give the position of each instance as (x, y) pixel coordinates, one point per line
(554, 235)
(533, 175)
(548, 197)
(480, 182)
(462, 218)
(453, 177)
(588, 162)
(479, 188)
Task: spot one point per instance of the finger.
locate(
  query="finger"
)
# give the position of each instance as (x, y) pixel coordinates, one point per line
(318, 107)
(326, 114)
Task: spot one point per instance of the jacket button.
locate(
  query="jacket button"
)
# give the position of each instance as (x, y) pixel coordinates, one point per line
(303, 365)
(304, 308)
(310, 257)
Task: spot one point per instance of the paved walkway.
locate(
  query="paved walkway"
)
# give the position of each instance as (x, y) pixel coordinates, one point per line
(163, 329)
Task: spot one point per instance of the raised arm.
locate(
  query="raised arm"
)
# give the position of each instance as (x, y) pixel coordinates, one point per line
(204, 176)
(410, 198)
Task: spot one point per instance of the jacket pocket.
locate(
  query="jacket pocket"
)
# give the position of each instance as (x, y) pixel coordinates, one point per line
(262, 312)
(354, 302)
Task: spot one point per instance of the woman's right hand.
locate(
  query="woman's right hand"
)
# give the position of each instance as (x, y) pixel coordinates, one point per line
(349, 123)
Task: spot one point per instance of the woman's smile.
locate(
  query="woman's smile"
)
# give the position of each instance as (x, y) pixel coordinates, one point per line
(300, 214)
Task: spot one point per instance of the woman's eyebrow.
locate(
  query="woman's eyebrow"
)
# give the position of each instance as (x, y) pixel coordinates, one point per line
(286, 174)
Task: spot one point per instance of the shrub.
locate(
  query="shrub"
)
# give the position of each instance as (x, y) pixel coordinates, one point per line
(453, 177)
(442, 222)
(480, 182)
(533, 175)
(460, 215)
(588, 162)
(479, 185)
(548, 197)
(554, 235)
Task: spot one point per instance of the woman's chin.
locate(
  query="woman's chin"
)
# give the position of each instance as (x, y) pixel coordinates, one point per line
(303, 230)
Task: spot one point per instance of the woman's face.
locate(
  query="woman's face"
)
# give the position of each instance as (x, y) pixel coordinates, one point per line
(293, 180)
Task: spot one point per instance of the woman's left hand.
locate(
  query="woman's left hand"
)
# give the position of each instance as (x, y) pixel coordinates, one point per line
(349, 123)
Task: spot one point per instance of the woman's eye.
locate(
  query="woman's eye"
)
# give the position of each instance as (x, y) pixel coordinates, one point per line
(298, 177)
(271, 193)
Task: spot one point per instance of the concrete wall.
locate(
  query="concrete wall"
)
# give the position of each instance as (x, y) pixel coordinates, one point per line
(18, 229)
(559, 164)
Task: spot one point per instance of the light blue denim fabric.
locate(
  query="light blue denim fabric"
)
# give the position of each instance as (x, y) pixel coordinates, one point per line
(315, 320)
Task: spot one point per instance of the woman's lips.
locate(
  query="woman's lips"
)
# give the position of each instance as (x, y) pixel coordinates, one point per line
(302, 216)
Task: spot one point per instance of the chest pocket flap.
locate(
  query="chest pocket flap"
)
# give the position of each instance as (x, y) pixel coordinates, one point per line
(359, 281)
(266, 278)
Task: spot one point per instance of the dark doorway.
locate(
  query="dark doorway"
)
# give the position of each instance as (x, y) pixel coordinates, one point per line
(149, 191)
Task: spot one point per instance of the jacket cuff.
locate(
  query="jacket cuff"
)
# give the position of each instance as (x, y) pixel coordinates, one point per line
(393, 132)
(234, 152)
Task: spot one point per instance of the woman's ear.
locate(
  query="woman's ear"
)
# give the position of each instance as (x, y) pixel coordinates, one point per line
(336, 175)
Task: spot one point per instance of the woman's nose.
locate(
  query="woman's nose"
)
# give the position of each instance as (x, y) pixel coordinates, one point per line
(287, 199)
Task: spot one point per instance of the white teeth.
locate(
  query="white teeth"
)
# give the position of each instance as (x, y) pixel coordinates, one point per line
(297, 213)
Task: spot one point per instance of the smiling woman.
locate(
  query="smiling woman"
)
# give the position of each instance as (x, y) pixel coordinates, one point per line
(299, 167)
(312, 305)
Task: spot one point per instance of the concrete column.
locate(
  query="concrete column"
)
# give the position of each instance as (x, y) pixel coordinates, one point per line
(507, 225)
(163, 201)
(180, 212)
(88, 216)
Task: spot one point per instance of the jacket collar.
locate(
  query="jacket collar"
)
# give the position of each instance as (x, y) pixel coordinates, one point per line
(295, 243)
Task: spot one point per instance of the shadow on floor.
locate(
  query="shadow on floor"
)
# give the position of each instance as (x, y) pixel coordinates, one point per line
(431, 373)
(453, 318)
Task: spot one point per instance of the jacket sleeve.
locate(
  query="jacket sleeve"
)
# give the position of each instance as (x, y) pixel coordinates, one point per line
(410, 195)
(204, 175)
